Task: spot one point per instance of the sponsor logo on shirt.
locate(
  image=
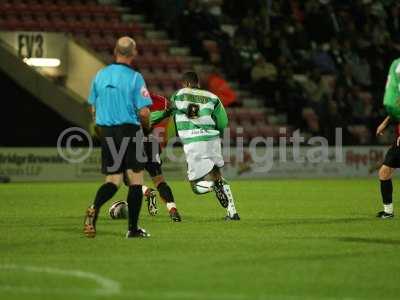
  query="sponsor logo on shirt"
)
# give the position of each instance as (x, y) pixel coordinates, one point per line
(145, 93)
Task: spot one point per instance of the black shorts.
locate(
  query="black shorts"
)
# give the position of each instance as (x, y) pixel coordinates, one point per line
(392, 157)
(130, 156)
(153, 150)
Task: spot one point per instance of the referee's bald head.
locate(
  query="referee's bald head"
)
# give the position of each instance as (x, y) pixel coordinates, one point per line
(125, 47)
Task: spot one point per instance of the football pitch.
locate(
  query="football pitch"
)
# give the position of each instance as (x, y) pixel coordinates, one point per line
(298, 239)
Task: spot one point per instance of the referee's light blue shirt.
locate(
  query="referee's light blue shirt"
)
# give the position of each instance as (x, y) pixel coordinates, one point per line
(118, 93)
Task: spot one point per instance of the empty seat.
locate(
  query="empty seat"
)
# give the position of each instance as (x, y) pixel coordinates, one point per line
(11, 24)
(7, 9)
(28, 23)
(266, 131)
(52, 8)
(165, 80)
(98, 42)
(182, 64)
(159, 46)
(32, 8)
(258, 117)
(243, 116)
(19, 8)
(170, 63)
(60, 25)
(231, 115)
(167, 91)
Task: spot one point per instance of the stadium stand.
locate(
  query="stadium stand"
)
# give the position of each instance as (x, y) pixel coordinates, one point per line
(330, 57)
(315, 87)
(161, 60)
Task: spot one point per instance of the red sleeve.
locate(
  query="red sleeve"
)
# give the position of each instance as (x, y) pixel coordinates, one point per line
(159, 102)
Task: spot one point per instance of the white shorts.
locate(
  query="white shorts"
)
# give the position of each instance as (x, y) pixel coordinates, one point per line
(201, 158)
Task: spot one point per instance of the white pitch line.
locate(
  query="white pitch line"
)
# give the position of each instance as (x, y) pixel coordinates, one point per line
(20, 289)
(109, 287)
(105, 287)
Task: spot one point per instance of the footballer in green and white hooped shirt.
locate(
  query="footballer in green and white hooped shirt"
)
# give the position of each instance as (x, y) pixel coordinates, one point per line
(200, 120)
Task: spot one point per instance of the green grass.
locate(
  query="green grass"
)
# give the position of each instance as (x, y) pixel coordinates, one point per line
(298, 239)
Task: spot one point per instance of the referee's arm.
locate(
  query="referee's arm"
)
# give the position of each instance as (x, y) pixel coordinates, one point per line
(144, 115)
(143, 102)
(92, 99)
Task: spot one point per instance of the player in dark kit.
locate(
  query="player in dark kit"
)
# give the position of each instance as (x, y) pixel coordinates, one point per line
(392, 158)
(153, 166)
(386, 171)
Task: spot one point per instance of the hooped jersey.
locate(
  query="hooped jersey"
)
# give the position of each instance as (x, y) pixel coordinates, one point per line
(199, 115)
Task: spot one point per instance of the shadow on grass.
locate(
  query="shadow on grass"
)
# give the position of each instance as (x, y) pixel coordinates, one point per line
(330, 256)
(316, 221)
(79, 232)
(350, 239)
(369, 240)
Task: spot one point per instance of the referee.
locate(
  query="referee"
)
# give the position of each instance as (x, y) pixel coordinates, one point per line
(120, 104)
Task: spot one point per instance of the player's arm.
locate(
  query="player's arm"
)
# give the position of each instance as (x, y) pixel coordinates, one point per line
(381, 128)
(160, 115)
(220, 117)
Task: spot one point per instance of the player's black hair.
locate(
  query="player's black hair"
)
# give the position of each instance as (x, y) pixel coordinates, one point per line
(191, 78)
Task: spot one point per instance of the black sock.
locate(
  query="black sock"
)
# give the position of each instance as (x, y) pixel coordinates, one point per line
(135, 197)
(165, 192)
(386, 191)
(105, 193)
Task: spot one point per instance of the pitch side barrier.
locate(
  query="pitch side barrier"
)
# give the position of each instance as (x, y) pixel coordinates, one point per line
(52, 164)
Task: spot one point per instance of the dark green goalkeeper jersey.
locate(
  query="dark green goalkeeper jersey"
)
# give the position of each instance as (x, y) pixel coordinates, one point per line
(391, 99)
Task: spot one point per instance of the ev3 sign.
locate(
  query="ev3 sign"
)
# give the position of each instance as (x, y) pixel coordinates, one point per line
(30, 44)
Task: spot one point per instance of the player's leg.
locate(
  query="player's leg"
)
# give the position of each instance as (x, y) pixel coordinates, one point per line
(224, 193)
(150, 198)
(134, 162)
(119, 209)
(199, 166)
(385, 177)
(391, 162)
(222, 188)
(108, 189)
(104, 193)
(203, 159)
(134, 200)
(167, 196)
(153, 167)
(198, 170)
